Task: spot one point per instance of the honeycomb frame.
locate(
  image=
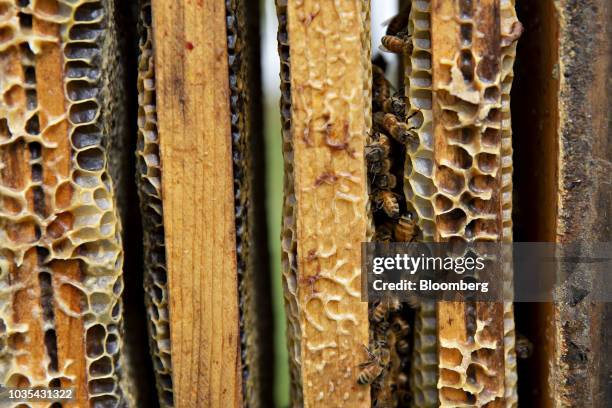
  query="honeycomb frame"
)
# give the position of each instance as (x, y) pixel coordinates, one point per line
(148, 178)
(472, 80)
(430, 186)
(62, 256)
(323, 149)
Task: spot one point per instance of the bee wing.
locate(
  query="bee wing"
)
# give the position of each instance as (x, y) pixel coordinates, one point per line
(384, 49)
(371, 355)
(391, 87)
(387, 21)
(366, 364)
(376, 202)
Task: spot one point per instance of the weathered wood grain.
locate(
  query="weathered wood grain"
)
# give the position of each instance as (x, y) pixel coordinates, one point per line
(197, 187)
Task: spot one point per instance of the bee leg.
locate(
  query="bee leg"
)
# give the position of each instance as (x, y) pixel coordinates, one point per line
(413, 114)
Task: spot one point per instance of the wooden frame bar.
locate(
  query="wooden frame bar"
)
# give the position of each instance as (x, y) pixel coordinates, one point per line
(196, 152)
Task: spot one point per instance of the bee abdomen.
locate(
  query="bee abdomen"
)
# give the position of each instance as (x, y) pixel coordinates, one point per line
(400, 131)
(374, 153)
(395, 44)
(385, 181)
(365, 379)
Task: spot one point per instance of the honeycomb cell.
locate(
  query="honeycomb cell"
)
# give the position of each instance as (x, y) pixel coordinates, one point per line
(450, 118)
(473, 168)
(95, 338)
(89, 12)
(451, 222)
(449, 180)
(423, 186)
(81, 51)
(80, 90)
(492, 93)
(61, 225)
(102, 199)
(18, 380)
(91, 159)
(466, 33)
(466, 65)
(487, 69)
(487, 163)
(101, 367)
(32, 125)
(491, 138)
(442, 203)
(13, 95)
(83, 32)
(84, 112)
(457, 157)
(82, 70)
(98, 302)
(104, 401)
(482, 184)
(112, 344)
(494, 116)
(449, 377)
(149, 191)
(101, 386)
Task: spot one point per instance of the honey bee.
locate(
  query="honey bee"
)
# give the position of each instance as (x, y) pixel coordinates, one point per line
(396, 38)
(400, 131)
(397, 44)
(384, 233)
(402, 380)
(400, 326)
(381, 329)
(379, 313)
(378, 150)
(403, 394)
(406, 230)
(385, 181)
(383, 308)
(380, 166)
(381, 349)
(371, 369)
(380, 62)
(381, 141)
(381, 88)
(402, 346)
(396, 105)
(374, 153)
(378, 162)
(523, 347)
(399, 22)
(387, 200)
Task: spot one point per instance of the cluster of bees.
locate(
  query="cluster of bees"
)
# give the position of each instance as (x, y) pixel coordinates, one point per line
(391, 135)
(387, 365)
